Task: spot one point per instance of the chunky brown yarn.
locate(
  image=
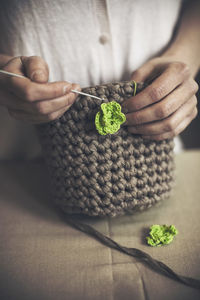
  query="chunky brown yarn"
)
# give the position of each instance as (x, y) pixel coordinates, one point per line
(104, 175)
(107, 175)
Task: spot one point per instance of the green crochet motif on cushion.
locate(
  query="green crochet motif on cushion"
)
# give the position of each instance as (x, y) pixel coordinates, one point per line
(109, 118)
(161, 235)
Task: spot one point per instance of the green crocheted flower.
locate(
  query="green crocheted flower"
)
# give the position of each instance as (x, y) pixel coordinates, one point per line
(161, 235)
(109, 118)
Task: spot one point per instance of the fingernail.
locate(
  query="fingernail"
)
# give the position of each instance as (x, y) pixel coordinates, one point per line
(66, 89)
(38, 75)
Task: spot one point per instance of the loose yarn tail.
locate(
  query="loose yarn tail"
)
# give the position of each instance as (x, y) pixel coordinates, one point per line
(156, 265)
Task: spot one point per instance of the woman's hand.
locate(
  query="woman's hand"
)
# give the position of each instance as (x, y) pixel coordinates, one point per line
(34, 99)
(168, 105)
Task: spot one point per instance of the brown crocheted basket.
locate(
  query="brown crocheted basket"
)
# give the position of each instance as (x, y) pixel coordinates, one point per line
(104, 175)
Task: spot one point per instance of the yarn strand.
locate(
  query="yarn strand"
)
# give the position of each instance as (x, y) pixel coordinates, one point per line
(156, 265)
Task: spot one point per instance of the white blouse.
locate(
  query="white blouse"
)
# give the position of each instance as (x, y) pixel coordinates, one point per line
(87, 42)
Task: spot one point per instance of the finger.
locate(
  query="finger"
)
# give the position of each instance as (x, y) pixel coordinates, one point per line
(40, 107)
(31, 91)
(164, 108)
(173, 76)
(169, 135)
(170, 124)
(14, 65)
(143, 73)
(9, 100)
(35, 118)
(35, 68)
(12, 102)
(49, 106)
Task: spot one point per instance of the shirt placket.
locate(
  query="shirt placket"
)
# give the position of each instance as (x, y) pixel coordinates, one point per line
(104, 40)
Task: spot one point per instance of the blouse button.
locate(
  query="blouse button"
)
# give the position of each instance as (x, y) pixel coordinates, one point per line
(103, 39)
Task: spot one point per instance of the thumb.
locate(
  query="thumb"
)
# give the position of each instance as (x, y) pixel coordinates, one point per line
(35, 68)
(144, 73)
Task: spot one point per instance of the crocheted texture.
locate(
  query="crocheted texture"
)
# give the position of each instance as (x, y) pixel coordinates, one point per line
(104, 175)
(109, 118)
(161, 235)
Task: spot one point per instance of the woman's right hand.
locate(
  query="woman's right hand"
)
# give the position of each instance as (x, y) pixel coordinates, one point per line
(34, 99)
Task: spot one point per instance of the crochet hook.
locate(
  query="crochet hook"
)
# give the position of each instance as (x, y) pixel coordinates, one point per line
(74, 91)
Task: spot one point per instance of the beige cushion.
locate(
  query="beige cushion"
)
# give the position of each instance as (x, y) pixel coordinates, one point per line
(43, 258)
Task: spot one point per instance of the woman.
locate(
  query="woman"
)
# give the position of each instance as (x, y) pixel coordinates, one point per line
(93, 42)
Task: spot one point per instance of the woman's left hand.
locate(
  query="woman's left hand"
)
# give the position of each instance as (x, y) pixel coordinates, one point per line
(165, 107)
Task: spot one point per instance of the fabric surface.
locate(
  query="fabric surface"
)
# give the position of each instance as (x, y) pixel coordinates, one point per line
(115, 37)
(88, 42)
(104, 175)
(42, 257)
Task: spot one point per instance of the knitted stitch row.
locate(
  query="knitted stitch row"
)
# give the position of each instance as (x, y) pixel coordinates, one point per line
(104, 175)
